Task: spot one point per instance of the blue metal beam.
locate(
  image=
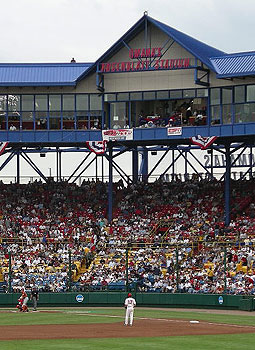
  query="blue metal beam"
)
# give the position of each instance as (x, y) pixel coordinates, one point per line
(7, 160)
(33, 165)
(159, 161)
(110, 199)
(87, 166)
(227, 185)
(78, 167)
(135, 165)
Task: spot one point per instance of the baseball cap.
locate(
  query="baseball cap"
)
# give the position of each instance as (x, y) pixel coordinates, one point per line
(129, 295)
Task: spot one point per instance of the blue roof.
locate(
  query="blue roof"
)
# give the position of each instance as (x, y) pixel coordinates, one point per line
(68, 74)
(200, 50)
(197, 48)
(41, 74)
(234, 65)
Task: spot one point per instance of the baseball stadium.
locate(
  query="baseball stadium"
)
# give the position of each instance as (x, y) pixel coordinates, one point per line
(144, 237)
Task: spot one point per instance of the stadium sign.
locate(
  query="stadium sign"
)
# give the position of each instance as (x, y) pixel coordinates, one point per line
(146, 59)
(145, 52)
(237, 161)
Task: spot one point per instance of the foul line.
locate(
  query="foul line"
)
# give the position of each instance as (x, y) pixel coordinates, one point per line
(161, 319)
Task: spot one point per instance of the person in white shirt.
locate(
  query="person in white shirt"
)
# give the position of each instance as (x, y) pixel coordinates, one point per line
(130, 304)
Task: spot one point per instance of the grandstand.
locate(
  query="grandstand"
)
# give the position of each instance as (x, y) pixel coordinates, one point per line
(151, 230)
(164, 237)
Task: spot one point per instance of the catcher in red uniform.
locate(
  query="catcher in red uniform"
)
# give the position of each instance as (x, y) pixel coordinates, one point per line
(22, 302)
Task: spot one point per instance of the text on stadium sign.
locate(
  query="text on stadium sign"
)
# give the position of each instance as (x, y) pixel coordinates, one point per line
(144, 62)
(145, 52)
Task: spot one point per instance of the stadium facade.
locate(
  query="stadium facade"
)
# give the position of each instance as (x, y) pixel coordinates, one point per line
(154, 89)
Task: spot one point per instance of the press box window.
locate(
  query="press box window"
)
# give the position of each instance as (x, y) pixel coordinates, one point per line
(250, 93)
(226, 95)
(239, 93)
(68, 102)
(95, 102)
(215, 96)
(176, 94)
(189, 93)
(82, 102)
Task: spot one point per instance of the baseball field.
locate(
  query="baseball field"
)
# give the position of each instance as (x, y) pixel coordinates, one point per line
(103, 328)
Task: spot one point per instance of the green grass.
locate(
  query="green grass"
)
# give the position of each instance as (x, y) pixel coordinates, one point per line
(248, 319)
(221, 342)
(90, 315)
(32, 318)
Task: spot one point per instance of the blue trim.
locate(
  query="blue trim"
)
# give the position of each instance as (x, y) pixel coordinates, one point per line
(140, 134)
(235, 75)
(38, 84)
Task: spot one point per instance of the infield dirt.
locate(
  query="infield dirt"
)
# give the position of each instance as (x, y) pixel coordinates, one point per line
(140, 328)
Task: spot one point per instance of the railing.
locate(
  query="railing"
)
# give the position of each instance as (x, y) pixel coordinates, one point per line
(8, 179)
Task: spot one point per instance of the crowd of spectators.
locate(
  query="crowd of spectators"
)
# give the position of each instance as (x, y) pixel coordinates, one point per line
(174, 232)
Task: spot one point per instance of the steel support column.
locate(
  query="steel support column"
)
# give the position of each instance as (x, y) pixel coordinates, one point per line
(102, 168)
(57, 163)
(144, 166)
(173, 162)
(186, 165)
(227, 185)
(250, 161)
(110, 199)
(60, 165)
(18, 167)
(135, 165)
(96, 169)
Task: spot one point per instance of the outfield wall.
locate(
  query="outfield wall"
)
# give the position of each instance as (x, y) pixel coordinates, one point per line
(143, 299)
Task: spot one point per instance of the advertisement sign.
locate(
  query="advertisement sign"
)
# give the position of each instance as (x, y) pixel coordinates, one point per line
(174, 131)
(118, 134)
(79, 298)
(220, 300)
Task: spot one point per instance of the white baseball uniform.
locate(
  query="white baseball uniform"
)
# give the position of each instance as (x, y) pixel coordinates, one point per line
(130, 303)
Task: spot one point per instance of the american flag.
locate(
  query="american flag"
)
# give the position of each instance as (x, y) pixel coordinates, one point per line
(97, 147)
(3, 145)
(203, 142)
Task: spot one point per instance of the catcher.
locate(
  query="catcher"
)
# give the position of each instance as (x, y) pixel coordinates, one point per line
(22, 302)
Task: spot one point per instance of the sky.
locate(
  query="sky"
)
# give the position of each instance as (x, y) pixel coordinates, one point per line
(57, 30)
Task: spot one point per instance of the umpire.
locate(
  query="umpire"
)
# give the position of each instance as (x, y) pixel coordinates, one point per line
(34, 297)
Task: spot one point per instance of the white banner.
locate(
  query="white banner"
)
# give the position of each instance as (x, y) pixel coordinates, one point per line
(118, 134)
(174, 131)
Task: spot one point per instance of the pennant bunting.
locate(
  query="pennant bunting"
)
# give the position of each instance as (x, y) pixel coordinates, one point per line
(97, 147)
(3, 145)
(203, 142)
